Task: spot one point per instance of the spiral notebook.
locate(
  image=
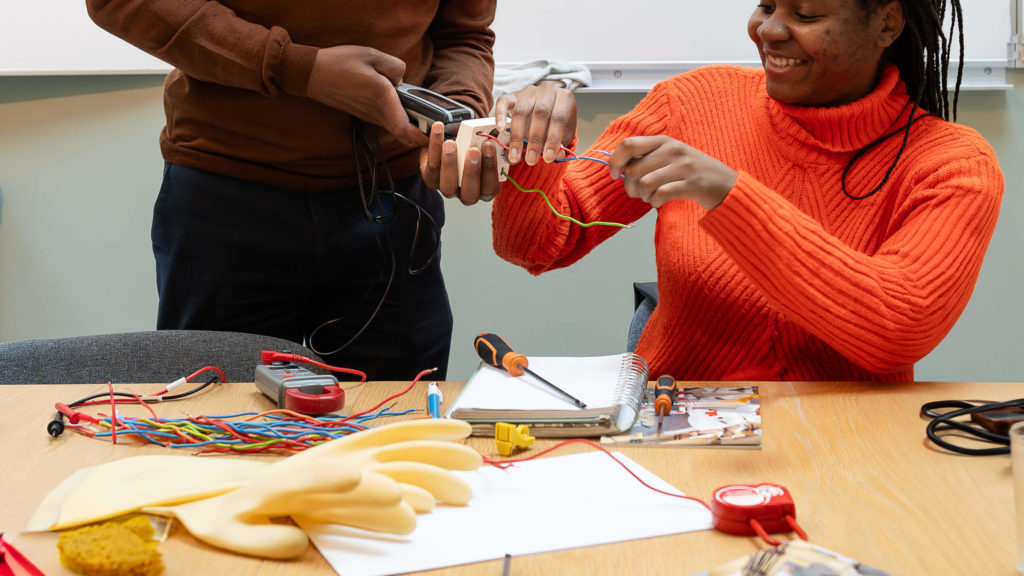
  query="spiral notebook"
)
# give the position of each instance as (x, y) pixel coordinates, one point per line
(612, 387)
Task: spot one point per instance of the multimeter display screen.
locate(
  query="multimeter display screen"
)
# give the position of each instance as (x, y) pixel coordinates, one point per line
(435, 99)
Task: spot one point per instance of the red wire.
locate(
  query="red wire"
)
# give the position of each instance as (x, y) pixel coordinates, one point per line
(148, 407)
(204, 369)
(505, 463)
(393, 396)
(486, 135)
(113, 414)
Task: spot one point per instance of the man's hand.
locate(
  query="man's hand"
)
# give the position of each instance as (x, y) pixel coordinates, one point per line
(361, 81)
(440, 169)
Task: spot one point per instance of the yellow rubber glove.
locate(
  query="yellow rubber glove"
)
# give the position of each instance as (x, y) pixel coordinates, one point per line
(123, 486)
(116, 488)
(361, 480)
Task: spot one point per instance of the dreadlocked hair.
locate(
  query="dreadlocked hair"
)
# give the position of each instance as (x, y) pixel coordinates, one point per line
(922, 55)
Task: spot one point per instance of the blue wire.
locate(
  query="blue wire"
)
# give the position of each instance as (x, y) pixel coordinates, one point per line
(592, 159)
(281, 428)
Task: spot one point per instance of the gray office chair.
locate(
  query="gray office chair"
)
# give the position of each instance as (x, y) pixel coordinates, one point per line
(645, 298)
(133, 357)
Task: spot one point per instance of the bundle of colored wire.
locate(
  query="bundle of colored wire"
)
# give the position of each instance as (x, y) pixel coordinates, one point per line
(273, 431)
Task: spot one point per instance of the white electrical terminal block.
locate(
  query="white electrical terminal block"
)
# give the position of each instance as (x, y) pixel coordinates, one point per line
(473, 133)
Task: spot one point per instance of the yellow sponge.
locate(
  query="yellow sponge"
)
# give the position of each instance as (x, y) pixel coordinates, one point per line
(111, 549)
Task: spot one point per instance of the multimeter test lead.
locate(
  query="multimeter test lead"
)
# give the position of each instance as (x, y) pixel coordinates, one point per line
(493, 350)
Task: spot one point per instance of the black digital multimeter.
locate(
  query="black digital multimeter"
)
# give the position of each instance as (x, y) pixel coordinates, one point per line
(425, 107)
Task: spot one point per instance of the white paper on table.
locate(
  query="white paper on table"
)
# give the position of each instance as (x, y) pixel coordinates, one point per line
(535, 506)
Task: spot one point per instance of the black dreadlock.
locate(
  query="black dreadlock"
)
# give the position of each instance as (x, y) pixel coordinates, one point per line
(922, 55)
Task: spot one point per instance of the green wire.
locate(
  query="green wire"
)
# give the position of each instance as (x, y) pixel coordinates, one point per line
(560, 215)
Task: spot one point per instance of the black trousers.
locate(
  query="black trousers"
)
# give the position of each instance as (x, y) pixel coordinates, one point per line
(359, 283)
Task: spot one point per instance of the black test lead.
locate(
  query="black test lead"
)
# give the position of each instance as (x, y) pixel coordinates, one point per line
(493, 350)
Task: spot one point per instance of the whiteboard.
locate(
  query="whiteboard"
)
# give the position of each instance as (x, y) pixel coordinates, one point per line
(53, 37)
(628, 45)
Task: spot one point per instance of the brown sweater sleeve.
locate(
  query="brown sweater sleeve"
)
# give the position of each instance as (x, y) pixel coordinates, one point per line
(209, 42)
(463, 63)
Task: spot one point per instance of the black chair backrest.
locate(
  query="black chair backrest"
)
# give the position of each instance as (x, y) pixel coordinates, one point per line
(645, 298)
(134, 357)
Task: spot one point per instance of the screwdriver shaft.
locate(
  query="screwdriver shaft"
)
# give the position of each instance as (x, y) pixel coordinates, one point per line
(579, 403)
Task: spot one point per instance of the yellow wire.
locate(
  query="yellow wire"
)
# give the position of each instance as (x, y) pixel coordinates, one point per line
(560, 215)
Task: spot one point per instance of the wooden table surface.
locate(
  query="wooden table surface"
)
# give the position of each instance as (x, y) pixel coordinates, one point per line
(854, 456)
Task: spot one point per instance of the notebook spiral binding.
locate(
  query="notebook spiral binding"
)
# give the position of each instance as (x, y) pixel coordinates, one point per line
(629, 392)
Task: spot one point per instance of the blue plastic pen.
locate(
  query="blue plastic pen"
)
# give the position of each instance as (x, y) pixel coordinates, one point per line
(434, 399)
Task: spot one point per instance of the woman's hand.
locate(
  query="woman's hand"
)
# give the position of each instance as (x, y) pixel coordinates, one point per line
(659, 168)
(543, 119)
(361, 81)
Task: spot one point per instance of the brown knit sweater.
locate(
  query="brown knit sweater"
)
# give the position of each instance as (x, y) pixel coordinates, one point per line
(787, 279)
(236, 103)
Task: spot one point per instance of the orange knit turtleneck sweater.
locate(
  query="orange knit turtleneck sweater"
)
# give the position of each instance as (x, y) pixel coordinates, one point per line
(788, 278)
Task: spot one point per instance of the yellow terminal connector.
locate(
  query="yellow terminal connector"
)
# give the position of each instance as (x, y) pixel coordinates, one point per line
(511, 438)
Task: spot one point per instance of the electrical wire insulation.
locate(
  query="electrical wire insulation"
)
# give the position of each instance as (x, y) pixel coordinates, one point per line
(947, 422)
(563, 216)
(571, 156)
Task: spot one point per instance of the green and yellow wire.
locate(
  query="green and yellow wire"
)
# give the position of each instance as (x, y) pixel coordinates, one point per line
(545, 196)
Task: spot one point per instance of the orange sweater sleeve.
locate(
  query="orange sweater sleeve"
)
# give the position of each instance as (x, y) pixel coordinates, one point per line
(525, 230)
(882, 311)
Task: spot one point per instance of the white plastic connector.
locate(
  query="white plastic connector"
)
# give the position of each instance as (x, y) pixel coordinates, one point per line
(176, 384)
(471, 135)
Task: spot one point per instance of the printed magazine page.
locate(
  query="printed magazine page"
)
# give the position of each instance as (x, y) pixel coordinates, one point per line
(711, 417)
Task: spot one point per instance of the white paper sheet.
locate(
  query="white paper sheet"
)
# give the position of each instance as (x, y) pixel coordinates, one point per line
(536, 506)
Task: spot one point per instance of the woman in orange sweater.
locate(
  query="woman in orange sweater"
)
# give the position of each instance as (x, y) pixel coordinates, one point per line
(818, 219)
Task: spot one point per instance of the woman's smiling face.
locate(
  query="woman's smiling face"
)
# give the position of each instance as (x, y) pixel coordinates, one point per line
(822, 52)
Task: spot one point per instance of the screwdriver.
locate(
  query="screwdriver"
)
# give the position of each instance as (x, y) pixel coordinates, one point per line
(664, 396)
(493, 350)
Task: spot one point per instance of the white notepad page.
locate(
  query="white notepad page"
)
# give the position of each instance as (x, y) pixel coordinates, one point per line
(552, 503)
(593, 379)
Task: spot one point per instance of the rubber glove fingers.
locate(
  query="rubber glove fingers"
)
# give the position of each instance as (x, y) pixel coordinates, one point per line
(332, 473)
(442, 429)
(375, 491)
(420, 499)
(441, 483)
(448, 455)
(399, 519)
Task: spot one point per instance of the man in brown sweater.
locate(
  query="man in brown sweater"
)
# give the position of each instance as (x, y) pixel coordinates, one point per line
(291, 203)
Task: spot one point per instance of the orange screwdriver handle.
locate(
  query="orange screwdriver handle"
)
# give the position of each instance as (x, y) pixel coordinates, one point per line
(664, 395)
(493, 350)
